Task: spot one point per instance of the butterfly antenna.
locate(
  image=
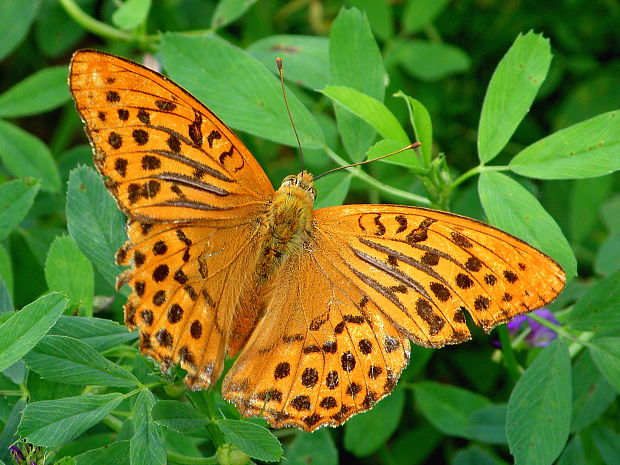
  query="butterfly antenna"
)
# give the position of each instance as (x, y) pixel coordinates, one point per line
(288, 110)
(410, 146)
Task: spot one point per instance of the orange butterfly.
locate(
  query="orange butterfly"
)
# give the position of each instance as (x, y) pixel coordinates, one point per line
(319, 305)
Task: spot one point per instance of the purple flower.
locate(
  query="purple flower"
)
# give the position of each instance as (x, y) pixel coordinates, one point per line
(17, 453)
(539, 335)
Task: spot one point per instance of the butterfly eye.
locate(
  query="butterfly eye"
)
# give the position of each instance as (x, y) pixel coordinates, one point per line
(290, 180)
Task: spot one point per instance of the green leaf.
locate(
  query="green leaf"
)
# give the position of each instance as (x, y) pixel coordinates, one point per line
(607, 442)
(15, 21)
(429, 61)
(584, 150)
(148, 446)
(370, 110)
(367, 432)
(539, 408)
(586, 199)
(605, 352)
(51, 423)
(228, 11)
(6, 267)
(608, 256)
(592, 394)
(332, 190)
(419, 13)
(24, 329)
(511, 207)
(68, 270)
(252, 439)
(23, 155)
(379, 15)
(599, 309)
(573, 453)
(238, 89)
(610, 213)
(67, 360)
(98, 333)
(16, 198)
(355, 61)
(10, 421)
(488, 424)
(475, 455)
(512, 90)
(308, 448)
(305, 59)
(6, 301)
(448, 408)
(425, 437)
(66, 461)
(94, 221)
(131, 14)
(40, 92)
(422, 125)
(40, 389)
(116, 453)
(55, 31)
(178, 416)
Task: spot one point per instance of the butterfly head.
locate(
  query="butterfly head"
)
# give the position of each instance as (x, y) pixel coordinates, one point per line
(303, 180)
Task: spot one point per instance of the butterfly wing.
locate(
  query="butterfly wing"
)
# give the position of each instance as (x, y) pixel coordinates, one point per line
(192, 192)
(436, 264)
(165, 156)
(335, 336)
(322, 353)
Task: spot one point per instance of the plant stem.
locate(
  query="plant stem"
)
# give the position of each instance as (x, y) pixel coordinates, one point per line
(560, 331)
(476, 170)
(509, 354)
(91, 24)
(186, 459)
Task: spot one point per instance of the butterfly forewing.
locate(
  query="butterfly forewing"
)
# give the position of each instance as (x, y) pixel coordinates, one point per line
(165, 156)
(426, 267)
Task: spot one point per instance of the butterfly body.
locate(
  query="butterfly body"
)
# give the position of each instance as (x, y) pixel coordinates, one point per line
(319, 306)
(287, 225)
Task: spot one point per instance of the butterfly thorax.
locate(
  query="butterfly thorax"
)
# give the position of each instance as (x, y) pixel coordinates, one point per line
(287, 224)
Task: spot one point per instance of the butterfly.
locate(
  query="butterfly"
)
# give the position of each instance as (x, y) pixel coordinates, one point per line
(318, 306)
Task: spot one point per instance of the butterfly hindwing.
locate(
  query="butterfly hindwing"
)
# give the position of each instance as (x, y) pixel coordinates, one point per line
(323, 350)
(185, 279)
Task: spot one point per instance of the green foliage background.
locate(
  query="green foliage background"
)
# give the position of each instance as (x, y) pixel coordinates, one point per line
(539, 159)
